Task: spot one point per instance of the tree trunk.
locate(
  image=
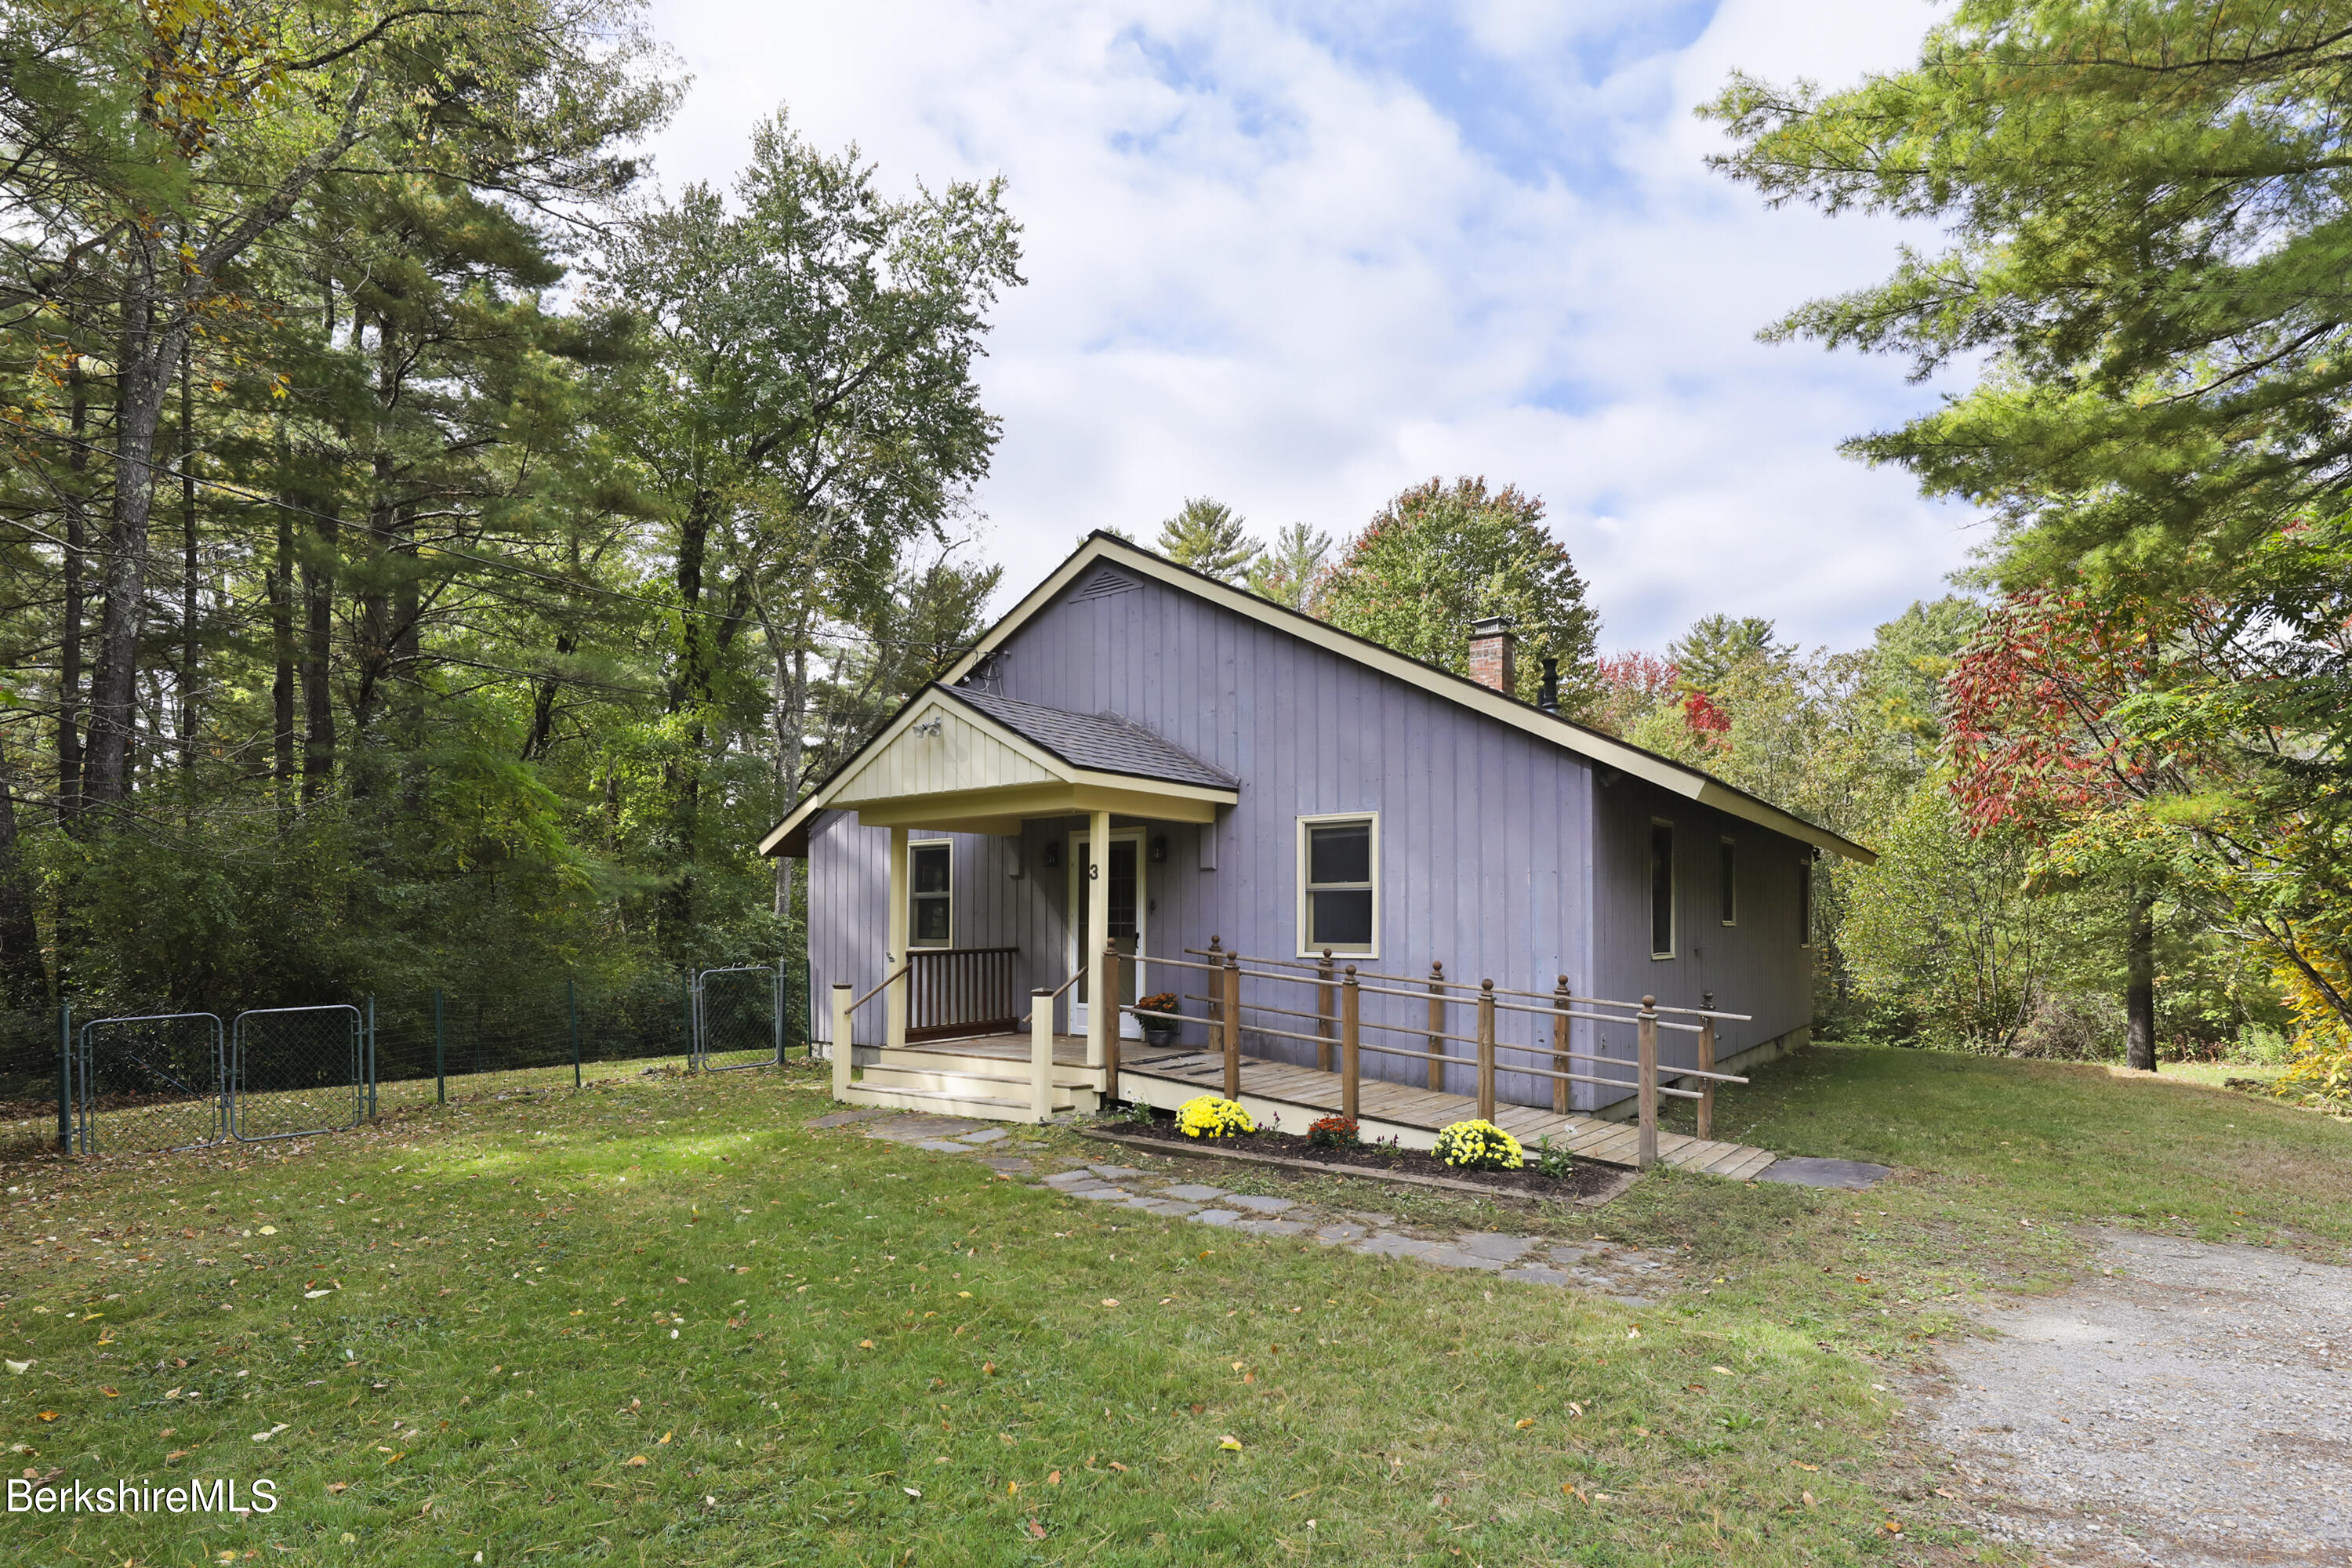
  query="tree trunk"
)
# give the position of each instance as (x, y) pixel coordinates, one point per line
(280, 579)
(187, 455)
(318, 702)
(70, 639)
(2139, 986)
(144, 377)
(24, 981)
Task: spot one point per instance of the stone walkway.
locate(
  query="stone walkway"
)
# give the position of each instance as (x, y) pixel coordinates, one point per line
(1626, 1275)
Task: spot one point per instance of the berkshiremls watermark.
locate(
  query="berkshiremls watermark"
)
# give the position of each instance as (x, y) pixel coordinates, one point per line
(220, 1495)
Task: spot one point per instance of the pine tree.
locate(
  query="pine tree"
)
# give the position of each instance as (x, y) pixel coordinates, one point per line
(1209, 536)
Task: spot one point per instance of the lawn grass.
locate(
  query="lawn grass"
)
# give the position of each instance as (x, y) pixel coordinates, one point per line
(797, 1331)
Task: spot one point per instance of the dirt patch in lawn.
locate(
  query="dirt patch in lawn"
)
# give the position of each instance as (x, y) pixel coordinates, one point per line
(1584, 1179)
(2191, 1406)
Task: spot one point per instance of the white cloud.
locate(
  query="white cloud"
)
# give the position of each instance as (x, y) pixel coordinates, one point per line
(1298, 259)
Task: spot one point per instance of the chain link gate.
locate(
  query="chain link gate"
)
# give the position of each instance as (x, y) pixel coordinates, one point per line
(739, 1019)
(294, 1071)
(149, 1083)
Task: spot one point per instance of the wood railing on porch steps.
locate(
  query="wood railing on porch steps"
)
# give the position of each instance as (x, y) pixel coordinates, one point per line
(956, 991)
(1339, 1012)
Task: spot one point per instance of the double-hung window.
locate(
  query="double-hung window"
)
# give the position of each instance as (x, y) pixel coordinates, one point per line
(932, 873)
(1661, 890)
(1339, 897)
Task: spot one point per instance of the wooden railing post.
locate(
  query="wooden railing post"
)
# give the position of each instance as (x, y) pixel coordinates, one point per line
(1350, 1033)
(1437, 1027)
(1216, 988)
(1233, 1012)
(1323, 1013)
(1559, 1001)
(1110, 1035)
(1707, 1064)
(841, 1050)
(1041, 1054)
(1486, 1050)
(1646, 1143)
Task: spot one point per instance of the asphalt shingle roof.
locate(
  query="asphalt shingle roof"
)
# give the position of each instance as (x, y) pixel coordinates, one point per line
(1102, 742)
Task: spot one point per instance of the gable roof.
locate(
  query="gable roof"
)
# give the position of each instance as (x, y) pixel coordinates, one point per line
(1114, 562)
(1104, 742)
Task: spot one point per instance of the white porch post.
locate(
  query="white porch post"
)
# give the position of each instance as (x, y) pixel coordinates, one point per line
(1102, 1012)
(894, 1001)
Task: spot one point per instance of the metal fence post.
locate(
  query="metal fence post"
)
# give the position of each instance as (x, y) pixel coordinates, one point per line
(686, 990)
(65, 1077)
(440, 1066)
(572, 1012)
(778, 1011)
(367, 1056)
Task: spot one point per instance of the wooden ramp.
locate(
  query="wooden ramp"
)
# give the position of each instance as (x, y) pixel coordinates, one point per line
(1413, 1116)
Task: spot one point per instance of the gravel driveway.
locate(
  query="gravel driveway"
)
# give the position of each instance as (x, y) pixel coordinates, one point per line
(2193, 1409)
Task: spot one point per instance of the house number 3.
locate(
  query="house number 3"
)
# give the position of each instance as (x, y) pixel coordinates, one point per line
(1093, 871)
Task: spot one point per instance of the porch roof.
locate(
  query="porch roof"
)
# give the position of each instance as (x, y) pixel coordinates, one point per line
(968, 762)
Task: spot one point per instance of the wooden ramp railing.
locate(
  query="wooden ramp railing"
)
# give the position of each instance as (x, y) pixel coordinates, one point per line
(1550, 1051)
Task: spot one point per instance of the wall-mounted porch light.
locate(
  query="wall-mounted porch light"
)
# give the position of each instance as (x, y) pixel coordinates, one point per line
(1159, 848)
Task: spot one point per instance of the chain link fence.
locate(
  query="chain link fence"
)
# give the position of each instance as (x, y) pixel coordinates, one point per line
(156, 1082)
(280, 1072)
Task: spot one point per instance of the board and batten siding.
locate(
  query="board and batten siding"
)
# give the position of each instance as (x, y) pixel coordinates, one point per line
(1500, 855)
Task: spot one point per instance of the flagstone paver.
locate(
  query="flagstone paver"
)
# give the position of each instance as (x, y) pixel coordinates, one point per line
(1624, 1274)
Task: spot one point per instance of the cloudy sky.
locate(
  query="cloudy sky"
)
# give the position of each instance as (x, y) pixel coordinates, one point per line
(1299, 256)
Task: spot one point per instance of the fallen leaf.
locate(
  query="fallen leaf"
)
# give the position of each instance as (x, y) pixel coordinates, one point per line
(866, 1344)
(1725, 1371)
(1119, 1467)
(1634, 1333)
(910, 1492)
(270, 1230)
(1942, 1491)
(1809, 1500)
(1053, 1480)
(339, 1486)
(988, 1368)
(19, 1368)
(1036, 1531)
(111, 1392)
(664, 1439)
(1802, 1466)
(183, 1453)
(636, 1461)
(1110, 1301)
(1525, 1422)
(47, 1415)
(1891, 1526)
(1231, 1444)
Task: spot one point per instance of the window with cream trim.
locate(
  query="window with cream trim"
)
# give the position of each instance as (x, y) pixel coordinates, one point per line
(931, 875)
(1339, 884)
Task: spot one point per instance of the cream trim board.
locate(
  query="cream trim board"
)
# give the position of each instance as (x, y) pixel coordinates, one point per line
(1325, 819)
(1627, 759)
(1079, 843)
(1673, 888)
(1726, 870)
(913, 845)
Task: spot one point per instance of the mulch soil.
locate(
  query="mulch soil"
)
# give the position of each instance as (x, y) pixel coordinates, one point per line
(1584, 1178)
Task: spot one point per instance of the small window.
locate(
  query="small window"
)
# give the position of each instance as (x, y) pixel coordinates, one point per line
(1727, 884)
(1338, 902)
(931, 869)
(1805, 902)
(1661, 890)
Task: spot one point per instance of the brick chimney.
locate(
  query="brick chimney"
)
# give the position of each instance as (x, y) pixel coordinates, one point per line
(1494, 654)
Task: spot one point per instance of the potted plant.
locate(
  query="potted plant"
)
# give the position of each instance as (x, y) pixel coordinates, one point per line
(1157, 1014)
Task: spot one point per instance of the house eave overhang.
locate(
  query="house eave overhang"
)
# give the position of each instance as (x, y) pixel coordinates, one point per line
(1054, 787)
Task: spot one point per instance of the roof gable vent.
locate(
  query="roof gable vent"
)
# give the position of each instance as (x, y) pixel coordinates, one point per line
(1104, 582)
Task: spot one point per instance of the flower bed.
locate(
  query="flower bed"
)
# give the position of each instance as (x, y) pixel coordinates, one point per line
(1584, 1179)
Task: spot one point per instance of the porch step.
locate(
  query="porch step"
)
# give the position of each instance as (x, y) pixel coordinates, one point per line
(942, 1102)
(887, 1073)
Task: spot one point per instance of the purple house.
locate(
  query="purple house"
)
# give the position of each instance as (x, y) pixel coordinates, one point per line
(1337, 859)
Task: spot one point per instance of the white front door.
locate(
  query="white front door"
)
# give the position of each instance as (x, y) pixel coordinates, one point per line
(1128, 906)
